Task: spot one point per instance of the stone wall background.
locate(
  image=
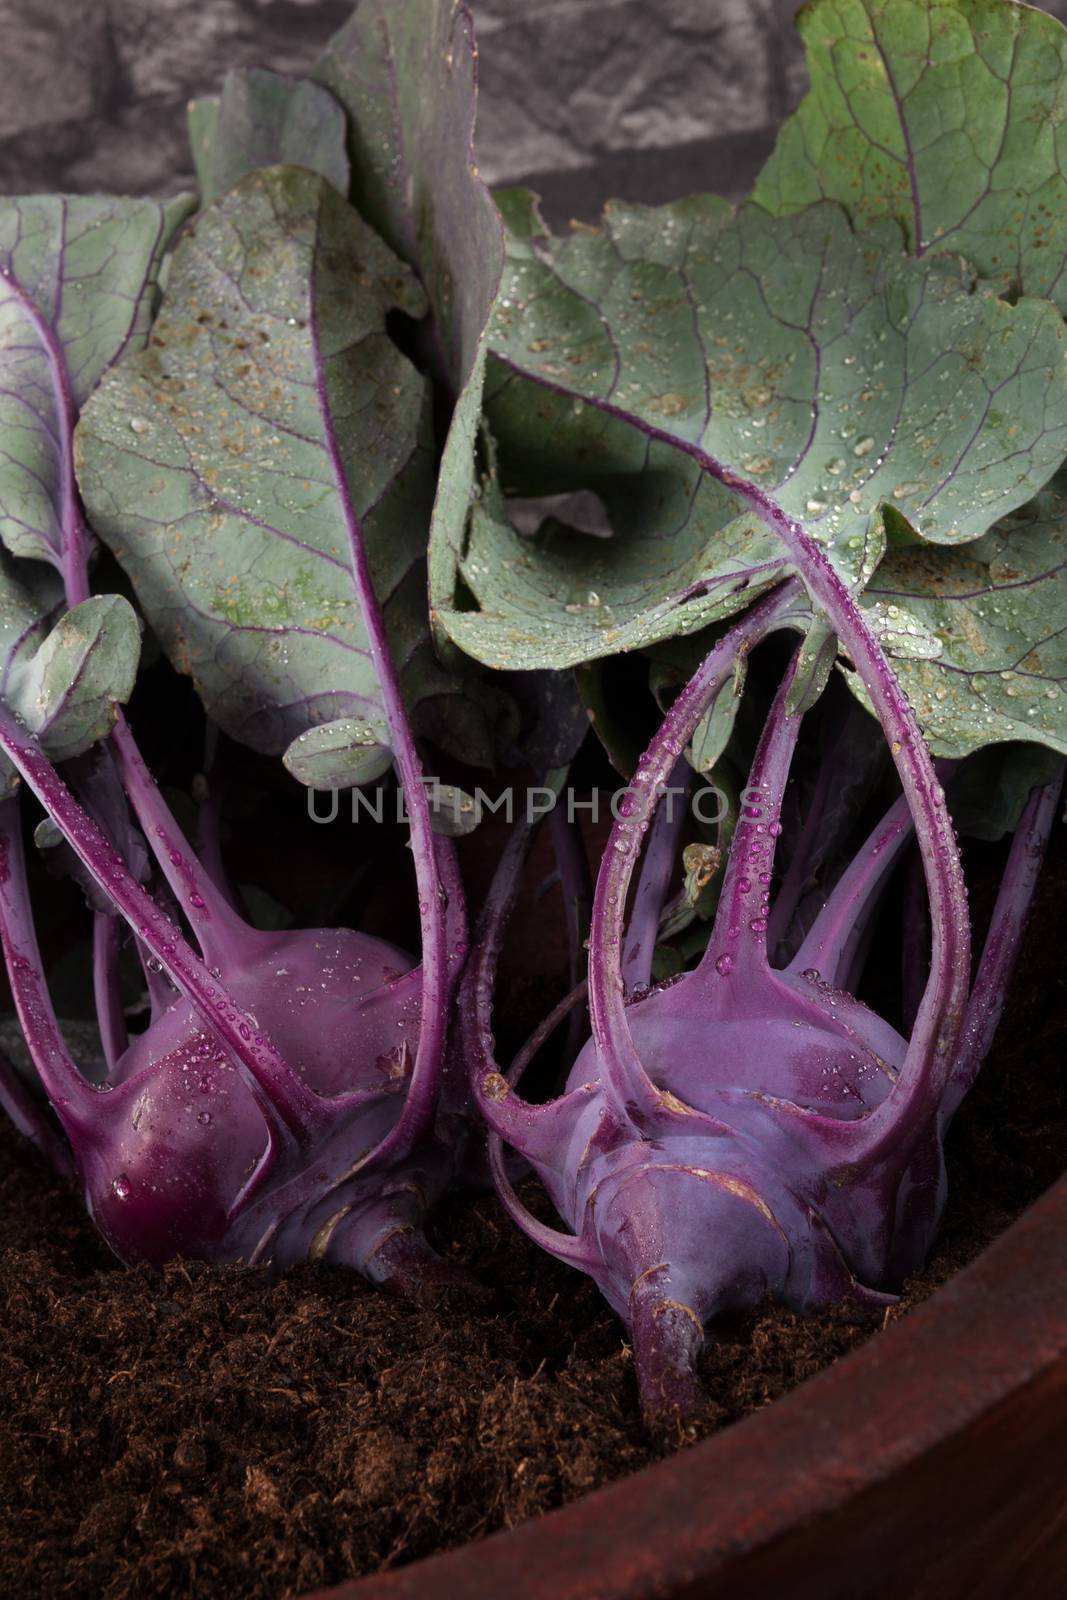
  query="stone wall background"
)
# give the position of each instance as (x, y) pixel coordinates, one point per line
(645, 99)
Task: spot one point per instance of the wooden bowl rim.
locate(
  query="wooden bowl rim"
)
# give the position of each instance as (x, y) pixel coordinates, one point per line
(990, 1332)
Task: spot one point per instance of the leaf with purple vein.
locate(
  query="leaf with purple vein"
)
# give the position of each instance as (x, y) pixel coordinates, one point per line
(78, 282)
(996, 613)
(826, 369)
(948, 118)
(207, 463)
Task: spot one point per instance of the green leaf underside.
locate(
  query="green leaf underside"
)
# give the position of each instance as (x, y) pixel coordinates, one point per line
(562, 598)
(203, 462)
(68, 691)
(948, 116)
(717, 724)
(263, 119)
(987, 795)
(406, 76)
(815, 663)
(453, 812)
(62, 675)
(827, 368)
(78, 278)
(339, 755)
(996, 613)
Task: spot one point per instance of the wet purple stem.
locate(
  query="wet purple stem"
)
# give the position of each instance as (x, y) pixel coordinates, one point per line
(417, 1116)
(658, 866)
(510, 1118)
(277, 1087)
(940, 1016)
(630, 1092)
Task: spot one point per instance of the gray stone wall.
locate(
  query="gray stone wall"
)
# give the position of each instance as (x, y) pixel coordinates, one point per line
(640, 98)
(570, 80)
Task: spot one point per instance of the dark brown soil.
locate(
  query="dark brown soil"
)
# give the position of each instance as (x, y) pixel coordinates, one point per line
(210, 1432)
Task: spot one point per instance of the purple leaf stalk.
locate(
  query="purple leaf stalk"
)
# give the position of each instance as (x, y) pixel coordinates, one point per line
(741, 1131)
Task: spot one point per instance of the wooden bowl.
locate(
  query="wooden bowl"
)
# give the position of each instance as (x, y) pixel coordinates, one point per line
(932, 1462)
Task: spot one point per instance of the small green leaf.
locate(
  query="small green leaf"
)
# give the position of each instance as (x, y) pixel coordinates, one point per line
(263, 119)
(453, 812)
(67, 692)
(814, 665)
(717, 724)
(46, 836)
(344, 754)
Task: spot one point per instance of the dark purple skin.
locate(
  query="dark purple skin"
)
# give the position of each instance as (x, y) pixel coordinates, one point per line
(341, 1009)
(743, 1132)
(281, 1103)
(270, 1111)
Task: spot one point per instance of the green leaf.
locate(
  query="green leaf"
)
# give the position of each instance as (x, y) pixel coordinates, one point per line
(68, 691)
(78, 281)
(829, 369)
(948, 117)
(339, 755)
(987, 795)
(406, 76)
(978, 636)
(31, 599)
(453, 812)
(717, 724)
(205, 464)
(62, 675)
(814, 666)
(263, 119)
